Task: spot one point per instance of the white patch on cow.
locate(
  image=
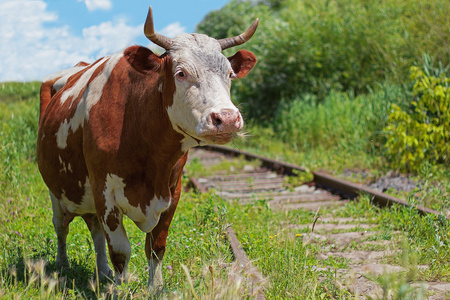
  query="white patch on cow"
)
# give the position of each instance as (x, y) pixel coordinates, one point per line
(114, 192)
(160, 87)
(81, 83)
(65, 75)
(187, 142)
(61, 134)
(147, 221)
(92, 94)
(115, 196)
(69, 167)
(206, 89)
(87, 205)
(61, 231)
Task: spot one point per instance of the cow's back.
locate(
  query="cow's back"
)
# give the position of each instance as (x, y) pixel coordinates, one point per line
(55, 82)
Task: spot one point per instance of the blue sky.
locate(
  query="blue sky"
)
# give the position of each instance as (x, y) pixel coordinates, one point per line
(40, 37)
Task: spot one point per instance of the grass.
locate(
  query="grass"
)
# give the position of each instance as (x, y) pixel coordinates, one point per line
(198, 262)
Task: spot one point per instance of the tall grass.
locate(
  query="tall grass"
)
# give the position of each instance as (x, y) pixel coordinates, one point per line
(342, 121)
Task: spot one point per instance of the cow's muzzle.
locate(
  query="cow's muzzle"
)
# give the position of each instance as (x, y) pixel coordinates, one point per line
(226, 121)
(222, 125)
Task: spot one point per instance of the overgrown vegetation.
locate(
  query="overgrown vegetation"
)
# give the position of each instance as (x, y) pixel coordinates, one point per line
(333, 82)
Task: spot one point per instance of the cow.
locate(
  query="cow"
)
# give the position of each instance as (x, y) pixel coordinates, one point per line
(114, 136)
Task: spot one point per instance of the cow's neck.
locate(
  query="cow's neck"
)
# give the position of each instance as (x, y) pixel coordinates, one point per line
(162, 145)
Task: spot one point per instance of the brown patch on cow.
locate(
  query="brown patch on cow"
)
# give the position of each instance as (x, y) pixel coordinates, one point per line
(168, 82)
(49, 156)
(89, 219)
(113, 219)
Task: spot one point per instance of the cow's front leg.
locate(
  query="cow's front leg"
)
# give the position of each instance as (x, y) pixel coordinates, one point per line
(118, 243)
(155, 243)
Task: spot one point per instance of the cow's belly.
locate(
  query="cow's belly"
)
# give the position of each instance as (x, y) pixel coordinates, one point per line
(145, 215)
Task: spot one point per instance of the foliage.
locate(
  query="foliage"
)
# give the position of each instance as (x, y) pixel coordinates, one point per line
(342, 121)
(422, 132)
(314, 47)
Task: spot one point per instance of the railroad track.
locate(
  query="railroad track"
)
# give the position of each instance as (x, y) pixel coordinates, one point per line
(266, 181)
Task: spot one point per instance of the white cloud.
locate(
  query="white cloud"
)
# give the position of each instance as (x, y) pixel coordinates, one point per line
(97, 4)
(173, 30)
(32, 49)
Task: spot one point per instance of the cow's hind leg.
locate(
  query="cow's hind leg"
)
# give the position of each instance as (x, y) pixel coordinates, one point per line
(98, 237)
(62, 230)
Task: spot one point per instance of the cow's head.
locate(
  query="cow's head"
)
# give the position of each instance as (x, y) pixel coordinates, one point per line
(202, 109)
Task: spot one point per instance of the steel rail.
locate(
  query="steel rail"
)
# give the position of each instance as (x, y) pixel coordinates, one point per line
(335, 185)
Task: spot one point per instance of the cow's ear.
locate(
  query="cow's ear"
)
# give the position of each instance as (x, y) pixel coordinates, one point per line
(142, 59)
(242, 62)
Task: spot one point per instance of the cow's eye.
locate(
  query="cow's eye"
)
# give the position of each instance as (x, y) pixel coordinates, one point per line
(181, 75)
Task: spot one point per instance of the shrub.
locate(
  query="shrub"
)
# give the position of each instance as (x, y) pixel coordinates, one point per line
(421, 133)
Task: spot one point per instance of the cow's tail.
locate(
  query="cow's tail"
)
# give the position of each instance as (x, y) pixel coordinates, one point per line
(46, 95)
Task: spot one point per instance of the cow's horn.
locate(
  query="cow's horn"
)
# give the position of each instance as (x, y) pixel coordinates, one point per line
(149, 31)
(240, 39)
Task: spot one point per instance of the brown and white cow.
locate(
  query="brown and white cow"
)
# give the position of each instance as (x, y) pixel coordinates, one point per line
(114, 137)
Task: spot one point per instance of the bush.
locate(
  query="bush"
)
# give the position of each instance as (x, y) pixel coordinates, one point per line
(422, 132)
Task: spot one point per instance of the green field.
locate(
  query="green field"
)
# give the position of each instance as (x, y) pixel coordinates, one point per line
(291, 266)
(360, 89)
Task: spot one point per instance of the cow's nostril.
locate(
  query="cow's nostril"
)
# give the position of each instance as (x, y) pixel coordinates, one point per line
(226, 121)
